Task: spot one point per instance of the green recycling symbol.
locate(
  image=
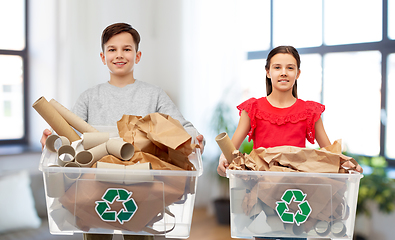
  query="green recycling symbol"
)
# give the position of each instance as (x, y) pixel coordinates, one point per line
(103, 208)
(304, 207)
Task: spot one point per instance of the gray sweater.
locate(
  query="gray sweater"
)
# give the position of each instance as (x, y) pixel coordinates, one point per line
(105, 104)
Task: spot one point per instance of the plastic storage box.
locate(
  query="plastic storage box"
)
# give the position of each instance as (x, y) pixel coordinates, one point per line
(119, 201)
(289, 204)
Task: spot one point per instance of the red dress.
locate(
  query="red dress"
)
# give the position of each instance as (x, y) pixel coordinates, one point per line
(272, 126)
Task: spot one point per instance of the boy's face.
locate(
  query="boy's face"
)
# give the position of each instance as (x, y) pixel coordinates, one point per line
(120, 54)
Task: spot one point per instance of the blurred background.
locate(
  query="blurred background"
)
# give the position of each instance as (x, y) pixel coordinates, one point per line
(209, 56)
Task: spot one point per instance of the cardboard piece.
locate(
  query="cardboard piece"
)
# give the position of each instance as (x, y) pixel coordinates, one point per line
(72, 119)
(226, 146)
(54, 119)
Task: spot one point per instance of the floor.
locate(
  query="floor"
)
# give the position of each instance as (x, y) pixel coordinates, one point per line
(205, 226)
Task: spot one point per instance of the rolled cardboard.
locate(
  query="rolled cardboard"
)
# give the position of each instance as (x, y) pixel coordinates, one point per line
(121, 149)
(110, 177)
(66, 154)
(71, 177)
(322, 228)
(54, 119)
(93, 139)
(84, 159)
(226, 145)
(75, 121)
(54, 183)
(236, 201)
(98, 152)
(338, 229)
(294, 229)
(134, 178)
(54, 142)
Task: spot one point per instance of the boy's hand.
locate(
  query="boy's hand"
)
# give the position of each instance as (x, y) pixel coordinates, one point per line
(222, 165)
(46, 133)
(200, 138)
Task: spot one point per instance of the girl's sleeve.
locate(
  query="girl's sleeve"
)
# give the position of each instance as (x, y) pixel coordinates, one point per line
(314, 111)
(250, 107)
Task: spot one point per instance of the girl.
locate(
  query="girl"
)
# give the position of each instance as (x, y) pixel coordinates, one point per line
(280, 118)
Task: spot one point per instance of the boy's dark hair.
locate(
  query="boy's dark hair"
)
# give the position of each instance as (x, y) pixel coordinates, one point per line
(282, 49)
(118, 28)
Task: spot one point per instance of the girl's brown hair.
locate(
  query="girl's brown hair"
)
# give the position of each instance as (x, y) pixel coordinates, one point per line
(281, 49)
(118, 28)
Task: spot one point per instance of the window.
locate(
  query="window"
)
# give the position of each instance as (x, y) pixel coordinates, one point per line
(348, 64)
(13, 69)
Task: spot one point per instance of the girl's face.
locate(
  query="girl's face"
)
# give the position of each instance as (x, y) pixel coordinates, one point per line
(283, 72)
(120, 54)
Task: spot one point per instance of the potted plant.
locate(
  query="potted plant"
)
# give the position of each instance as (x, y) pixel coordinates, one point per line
(375, 188)
(222, 121)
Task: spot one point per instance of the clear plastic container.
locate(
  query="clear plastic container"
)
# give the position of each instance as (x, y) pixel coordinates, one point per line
(119, 201)
(293, 204)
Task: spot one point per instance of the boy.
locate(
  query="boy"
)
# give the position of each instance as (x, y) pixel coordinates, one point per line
(106, 103)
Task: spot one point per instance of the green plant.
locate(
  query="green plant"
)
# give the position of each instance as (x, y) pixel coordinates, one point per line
(376, 186)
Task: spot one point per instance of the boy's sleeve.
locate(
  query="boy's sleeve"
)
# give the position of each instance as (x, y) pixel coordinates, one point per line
(166, 106)
(81, 107)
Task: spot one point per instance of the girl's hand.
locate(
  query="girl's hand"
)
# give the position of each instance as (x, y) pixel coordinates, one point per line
(222, 165)
(46, 133)
(200, 138)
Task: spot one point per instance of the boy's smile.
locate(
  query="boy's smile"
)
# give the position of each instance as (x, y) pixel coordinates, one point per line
(120, 56)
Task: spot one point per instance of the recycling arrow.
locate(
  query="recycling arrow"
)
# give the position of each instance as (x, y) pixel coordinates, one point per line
(103, 208)
(301, 215)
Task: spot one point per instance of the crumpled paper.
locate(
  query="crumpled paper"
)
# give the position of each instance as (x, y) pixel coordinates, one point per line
(159, 135)
(294, 159)
(269, 189)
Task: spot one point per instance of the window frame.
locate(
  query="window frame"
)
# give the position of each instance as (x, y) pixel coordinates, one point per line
(24, 55)
(386, 47)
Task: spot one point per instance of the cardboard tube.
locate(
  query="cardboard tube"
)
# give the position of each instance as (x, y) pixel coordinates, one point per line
(54, 119)
(98, 152)
(338, 229)
(322, 228)
(110, 177)
(54, 183)
(75, 121)
(294, 229)
(237, 197)
(93, 139)
(226, 145)
(54, 142)
(121, 149)
(71, 177)
(66, 154)
(133, 178)
(84, 159)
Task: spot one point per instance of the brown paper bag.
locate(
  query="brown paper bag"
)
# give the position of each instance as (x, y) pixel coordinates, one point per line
(150, 197)
(159, 135)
